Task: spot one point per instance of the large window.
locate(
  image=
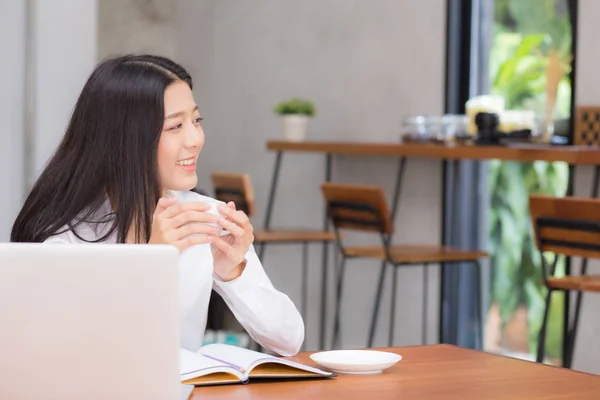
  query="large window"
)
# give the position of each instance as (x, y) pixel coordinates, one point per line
(525, 35)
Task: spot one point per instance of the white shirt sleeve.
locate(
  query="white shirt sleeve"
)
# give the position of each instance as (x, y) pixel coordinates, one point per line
(268, 315)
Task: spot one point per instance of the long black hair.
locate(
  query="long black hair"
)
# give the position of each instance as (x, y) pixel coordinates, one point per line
(109, 148)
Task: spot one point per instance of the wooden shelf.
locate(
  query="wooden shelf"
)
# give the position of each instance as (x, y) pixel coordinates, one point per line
(575, 155)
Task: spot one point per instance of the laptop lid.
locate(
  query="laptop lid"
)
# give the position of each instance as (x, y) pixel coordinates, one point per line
(97, 321)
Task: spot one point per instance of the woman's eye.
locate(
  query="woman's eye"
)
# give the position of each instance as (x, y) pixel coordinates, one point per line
(197, 120)
(174, 128)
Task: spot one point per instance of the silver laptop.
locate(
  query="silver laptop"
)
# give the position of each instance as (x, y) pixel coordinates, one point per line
(91, 321)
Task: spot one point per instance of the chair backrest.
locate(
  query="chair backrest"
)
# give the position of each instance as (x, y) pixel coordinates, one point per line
(587, 126)
(569, 226)
(358, 207)
(236, 188)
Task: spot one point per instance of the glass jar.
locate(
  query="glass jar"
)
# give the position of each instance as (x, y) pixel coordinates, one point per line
(455, 126)
(414, 129)
(435, 128)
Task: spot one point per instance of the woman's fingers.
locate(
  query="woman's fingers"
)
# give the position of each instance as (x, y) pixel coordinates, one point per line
(192, 216)
(177, 209)
(238, 217)
(190, 241)
(163, 204)
(229, 251)
(232, 228)
(196, 229)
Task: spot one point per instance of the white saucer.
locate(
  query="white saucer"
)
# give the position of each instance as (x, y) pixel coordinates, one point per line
(356, 361)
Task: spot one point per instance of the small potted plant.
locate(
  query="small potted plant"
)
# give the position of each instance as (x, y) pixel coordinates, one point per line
(294, 114)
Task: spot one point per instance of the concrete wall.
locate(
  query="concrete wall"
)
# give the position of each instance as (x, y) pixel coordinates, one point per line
(366, 65)
(64, 48)
(13, 24)
(136, 26)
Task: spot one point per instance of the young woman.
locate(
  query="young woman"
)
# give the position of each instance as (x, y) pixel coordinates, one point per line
(135, 135)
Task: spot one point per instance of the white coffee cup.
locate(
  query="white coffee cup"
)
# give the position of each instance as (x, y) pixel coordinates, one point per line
(187, 197)
(214, 211)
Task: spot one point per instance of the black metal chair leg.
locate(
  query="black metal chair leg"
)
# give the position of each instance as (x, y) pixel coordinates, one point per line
(377, 304)
(424, 318)
(542, 335)
(304, 277)
(272, 190)
(570, 348)
(338, 302)
(392, 307)
(480, 316)
(325, 263)
(304, 285)
(572, 333)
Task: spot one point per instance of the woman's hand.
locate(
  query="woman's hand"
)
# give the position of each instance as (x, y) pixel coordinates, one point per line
(229, 252)
(182, 225)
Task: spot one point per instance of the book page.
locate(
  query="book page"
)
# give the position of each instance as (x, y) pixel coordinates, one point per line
(237, 357)
(248, 359)
(311, 370)
(276, 370)
(193, 365)
(217, 378)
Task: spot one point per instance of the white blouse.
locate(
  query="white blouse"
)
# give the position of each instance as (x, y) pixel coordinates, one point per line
(268, 315)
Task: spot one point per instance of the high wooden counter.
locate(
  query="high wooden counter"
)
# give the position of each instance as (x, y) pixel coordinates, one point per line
(574, 155)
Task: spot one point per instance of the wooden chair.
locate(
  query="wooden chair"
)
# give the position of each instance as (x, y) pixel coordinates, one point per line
(571, 227)
(587, 126)
(364, 208)
(238, 188)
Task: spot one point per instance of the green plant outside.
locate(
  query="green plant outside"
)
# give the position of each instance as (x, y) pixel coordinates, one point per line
(516, 262)
(523, 33)
(295, 106)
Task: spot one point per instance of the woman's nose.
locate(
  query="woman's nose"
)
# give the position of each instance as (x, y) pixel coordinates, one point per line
(193, 136)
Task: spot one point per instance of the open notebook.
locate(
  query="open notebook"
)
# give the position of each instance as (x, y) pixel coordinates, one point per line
(221, 364)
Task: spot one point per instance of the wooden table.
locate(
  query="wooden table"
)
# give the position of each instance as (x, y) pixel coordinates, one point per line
(428, 372)
(573, 155)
